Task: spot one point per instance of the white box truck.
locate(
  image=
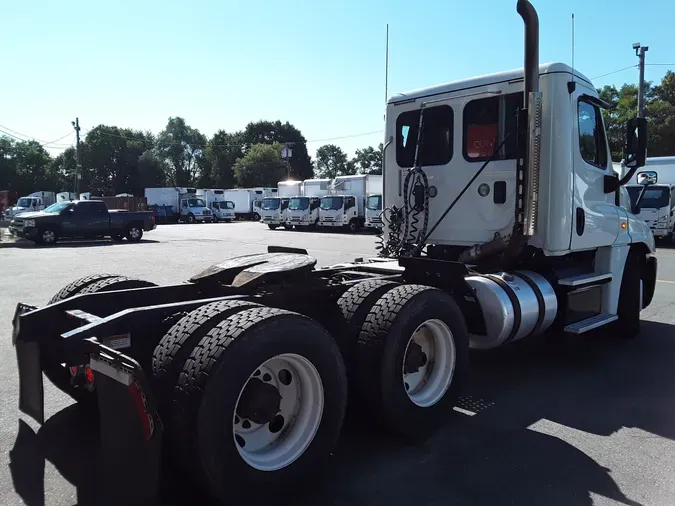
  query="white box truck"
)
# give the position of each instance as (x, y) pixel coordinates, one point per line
(179, 204)
(655, 204)
(374, 203)
(345, 206)
(66, 197)
(36, 201)
(243, 199)
(303, 210)
(223, 210)
(274, 207)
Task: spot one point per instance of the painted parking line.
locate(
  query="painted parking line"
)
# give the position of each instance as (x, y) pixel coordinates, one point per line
(665, 281)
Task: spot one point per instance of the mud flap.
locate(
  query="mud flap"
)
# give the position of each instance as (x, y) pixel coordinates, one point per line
(31, 387)
(131, 432)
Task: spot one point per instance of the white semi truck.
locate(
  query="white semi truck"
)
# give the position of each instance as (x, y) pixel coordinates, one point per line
(303, 209)
(223, 210)
(345, 206)
(183, 203)
(36, 201)
(503, 223)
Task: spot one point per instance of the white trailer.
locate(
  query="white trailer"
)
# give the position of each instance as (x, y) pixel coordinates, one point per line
(345, 206)
(223, 210)
(36, 201)
(243, 199)
(180, 204)
(66, 196)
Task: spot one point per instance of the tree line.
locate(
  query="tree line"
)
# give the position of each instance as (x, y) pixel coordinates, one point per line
(117, 160)
(122, 160)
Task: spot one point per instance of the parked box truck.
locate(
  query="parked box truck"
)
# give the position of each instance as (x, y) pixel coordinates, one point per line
(243, 200)
(223, 210)
(182, 203)
(345, 205)
(36, 201)
(303, 209)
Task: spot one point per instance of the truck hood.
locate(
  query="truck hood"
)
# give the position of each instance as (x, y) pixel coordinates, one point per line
(33, 215)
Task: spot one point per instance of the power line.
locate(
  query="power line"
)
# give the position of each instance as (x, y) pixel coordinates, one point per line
(660, 64)
(46, 144)
(614, 72)
(363, 134)
(29, 137)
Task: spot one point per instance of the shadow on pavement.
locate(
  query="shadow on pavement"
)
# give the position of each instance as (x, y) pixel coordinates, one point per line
(26, 244)
(595, 384)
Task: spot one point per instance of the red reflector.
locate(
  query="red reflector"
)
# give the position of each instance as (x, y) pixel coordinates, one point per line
(146, 419)
(90, 375)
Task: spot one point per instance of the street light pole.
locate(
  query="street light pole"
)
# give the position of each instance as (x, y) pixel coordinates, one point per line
(78, 159)
(640, 53)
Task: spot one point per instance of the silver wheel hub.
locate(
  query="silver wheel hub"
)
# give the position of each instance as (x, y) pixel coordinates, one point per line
(48, 236)
(429, 363)
(278, 412)
(134, 233)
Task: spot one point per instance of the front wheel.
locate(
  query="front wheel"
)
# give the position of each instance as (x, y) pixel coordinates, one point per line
(256, 217)
(47, 237)
(630, 299)
(272, 227)
(191, 218)
(352, 227)
(288, 227)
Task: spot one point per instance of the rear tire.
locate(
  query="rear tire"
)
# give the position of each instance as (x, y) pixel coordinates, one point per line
(134, 233)
(412, 330)
(57, 373)
(175, 347)
(210, 405)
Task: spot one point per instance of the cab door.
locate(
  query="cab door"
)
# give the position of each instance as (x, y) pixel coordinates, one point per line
(595, 216)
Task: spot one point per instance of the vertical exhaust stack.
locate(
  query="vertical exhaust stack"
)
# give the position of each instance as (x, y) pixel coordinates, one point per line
(529, 129)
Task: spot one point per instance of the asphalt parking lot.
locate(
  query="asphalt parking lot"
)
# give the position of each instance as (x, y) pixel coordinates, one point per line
(585, 421)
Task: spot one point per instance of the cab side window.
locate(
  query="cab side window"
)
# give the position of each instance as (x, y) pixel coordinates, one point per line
(487, 122)
(350, 202)
(592, 140)
(437, 136)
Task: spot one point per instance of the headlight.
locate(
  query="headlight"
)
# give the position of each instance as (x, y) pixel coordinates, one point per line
(663, 219)
(29, 223)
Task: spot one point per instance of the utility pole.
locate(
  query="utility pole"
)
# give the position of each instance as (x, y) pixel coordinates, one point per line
(286, 154)
(640, 53)
(78, 159)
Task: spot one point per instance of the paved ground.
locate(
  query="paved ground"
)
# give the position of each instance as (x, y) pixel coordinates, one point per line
(571, 422)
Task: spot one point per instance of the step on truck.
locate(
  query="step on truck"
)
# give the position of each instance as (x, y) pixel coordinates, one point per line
(239, 375)
(345, 206)
(303, 209)
(182, 204)
(274, 207)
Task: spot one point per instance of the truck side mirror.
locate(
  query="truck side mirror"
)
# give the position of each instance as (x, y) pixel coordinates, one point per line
(647, 177)
(635, 210)
(635, 151)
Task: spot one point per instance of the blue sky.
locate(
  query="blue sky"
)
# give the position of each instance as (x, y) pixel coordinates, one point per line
(320, 65)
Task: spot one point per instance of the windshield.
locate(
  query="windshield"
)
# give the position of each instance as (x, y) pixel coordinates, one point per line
(654, 198)
(375, 202)
(196, 203)
(331, 203)
(270, 204)
(57, 208)
(25, 202)
(298, 203)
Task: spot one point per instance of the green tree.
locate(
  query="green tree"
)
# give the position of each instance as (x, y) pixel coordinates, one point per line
(222, 152)
(181, 147)
(152, 172)
(262, 165)
(110, 159)
(30, 162)
(267, 132)
(61, 171)
(331, 162)
(368, 160)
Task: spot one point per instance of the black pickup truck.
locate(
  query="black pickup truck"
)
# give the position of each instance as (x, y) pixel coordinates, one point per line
(82, 219)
